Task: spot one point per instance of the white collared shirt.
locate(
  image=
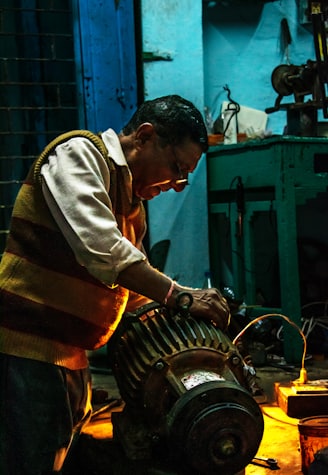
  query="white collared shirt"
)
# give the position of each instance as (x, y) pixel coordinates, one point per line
(75, 185)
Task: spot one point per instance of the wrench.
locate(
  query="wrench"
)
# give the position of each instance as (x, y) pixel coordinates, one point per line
(271, 462)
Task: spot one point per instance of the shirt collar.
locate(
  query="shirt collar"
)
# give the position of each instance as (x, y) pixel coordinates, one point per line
(113, 146)
(115, 151)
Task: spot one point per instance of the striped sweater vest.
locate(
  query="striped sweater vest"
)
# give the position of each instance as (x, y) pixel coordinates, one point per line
(51, 308)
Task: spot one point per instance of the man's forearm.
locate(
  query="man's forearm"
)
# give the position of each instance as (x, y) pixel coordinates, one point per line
(144, 279)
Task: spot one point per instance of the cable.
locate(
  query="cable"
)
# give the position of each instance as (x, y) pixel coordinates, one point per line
(303, 374)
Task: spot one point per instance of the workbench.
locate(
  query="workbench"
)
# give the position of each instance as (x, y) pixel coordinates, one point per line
(273, 176)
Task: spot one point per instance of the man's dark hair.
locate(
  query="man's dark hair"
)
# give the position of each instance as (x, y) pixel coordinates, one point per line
(174, 119)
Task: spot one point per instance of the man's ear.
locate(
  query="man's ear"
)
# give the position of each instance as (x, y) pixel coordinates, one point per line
(145, 132)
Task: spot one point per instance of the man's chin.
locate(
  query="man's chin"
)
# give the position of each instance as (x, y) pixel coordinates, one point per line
(151, 194)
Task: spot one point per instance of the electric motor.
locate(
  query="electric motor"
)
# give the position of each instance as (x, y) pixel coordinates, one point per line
(186, 394)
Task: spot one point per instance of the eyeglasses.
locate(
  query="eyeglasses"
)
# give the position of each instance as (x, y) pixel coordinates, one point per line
(182, 174)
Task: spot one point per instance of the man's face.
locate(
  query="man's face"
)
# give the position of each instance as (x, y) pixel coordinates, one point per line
(166, 168)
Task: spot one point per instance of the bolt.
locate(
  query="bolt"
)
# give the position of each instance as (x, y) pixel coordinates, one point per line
(235, 360)
(226, 447)
(155, 438)
(159, 365)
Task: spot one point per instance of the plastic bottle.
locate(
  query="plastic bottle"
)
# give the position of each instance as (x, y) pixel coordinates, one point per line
(230, 124)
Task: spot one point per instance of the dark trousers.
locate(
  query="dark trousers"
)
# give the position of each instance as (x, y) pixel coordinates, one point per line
(42, 407)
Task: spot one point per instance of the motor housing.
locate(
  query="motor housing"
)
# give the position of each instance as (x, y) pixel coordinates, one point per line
(186, 394)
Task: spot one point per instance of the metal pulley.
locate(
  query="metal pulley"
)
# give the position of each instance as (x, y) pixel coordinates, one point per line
(289, 79)
(217, 426)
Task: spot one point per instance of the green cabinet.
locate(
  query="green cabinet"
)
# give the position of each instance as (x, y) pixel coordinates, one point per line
(269, 177)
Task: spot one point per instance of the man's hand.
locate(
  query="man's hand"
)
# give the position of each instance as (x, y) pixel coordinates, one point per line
(208, 304)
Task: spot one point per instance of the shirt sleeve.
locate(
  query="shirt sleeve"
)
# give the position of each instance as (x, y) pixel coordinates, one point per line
(75, 186)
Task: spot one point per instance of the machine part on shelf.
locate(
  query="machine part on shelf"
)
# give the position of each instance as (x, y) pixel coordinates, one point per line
(308, 79)
(300, 81)
(289, 79)
(186, 394)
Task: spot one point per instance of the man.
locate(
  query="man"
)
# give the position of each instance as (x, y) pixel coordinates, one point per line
(74, 263)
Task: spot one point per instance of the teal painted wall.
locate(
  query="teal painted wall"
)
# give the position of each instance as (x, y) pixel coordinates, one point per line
(174, 28)
(212, 44)
(242, 46)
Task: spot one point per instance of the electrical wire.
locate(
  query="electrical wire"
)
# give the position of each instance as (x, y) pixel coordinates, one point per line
(227, 232)
(303, 374)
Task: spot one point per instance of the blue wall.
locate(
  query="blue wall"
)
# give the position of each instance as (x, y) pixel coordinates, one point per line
(212, 44)
(242, 46)
(174, 28)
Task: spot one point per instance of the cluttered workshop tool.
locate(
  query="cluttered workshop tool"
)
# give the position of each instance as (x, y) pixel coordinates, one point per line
(266, 461)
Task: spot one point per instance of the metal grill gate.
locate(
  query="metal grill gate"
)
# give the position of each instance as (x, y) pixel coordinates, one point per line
(38, 97)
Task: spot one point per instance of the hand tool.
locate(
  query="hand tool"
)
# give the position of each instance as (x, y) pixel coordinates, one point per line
(271, 462)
